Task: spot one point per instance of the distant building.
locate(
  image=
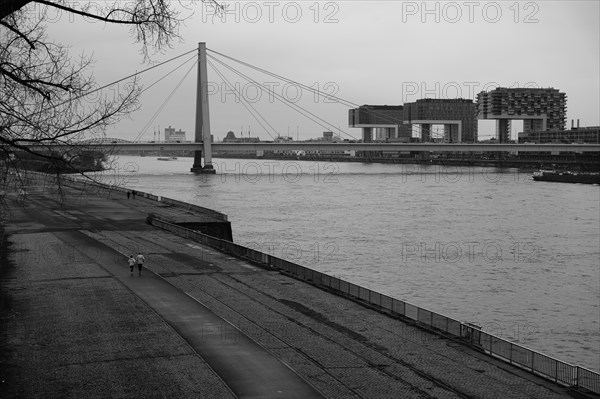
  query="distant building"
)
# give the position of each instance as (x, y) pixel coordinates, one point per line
(459, 117)
(230, 138)
(283, 139)
(394, 123)
(583, 135)
(386, 117)
(174, 136)
(328, 136)
(540, 109)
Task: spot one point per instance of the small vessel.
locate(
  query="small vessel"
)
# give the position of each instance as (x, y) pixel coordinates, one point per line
(167, 158)
(567, 176)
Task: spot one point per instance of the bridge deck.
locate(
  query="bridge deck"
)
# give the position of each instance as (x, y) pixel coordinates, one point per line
(311, 146)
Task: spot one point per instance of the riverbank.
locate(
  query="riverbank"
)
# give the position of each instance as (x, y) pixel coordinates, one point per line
(71, 326)
(526, 163)
(508, 162)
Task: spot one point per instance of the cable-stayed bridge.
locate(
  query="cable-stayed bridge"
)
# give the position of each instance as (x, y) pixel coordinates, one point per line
(203, 145)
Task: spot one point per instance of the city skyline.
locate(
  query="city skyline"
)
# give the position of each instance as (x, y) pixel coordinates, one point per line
(383, 53)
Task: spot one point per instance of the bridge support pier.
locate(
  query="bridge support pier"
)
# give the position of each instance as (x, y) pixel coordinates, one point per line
(503, 130)
(425, 132)
(197, 166)
(202, 130)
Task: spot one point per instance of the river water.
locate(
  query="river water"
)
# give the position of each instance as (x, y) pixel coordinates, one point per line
(483, 245)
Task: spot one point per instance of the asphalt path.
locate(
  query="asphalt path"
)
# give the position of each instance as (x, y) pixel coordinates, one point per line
(248, 369)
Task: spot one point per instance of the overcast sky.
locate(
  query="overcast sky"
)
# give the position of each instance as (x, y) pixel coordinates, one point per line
(365, 52)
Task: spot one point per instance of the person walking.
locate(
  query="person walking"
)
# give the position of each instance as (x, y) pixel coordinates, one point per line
(132, 263)
(140, 262)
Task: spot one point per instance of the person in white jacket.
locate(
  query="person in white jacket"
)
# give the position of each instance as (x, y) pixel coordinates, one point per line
(140, 262)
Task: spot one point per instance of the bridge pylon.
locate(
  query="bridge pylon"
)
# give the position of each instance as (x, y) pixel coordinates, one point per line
(202, 129)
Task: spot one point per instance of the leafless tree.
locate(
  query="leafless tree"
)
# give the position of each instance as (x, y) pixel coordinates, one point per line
(47, 96)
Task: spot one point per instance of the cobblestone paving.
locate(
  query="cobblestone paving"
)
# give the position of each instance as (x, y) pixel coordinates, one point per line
(341, 347)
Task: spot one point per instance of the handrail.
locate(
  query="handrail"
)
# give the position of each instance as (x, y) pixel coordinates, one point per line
(518, 355)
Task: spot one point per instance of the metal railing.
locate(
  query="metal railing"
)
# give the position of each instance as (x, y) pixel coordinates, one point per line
(536, 362)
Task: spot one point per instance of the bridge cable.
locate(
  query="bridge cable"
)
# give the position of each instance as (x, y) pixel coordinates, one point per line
(125, 78)
(143, 131)
(170, 72)
(326, 95)
(287, 102)
(159, 110)
(309, 88)
(244, 101)
(316, 91)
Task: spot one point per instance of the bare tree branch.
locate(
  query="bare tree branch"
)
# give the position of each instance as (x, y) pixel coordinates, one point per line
(15, 30)
(43, 101)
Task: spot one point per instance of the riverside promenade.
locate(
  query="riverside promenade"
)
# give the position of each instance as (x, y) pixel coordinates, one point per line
(198, 323)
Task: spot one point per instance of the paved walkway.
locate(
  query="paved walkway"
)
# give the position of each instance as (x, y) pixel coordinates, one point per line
(199, 323)
(248, 369)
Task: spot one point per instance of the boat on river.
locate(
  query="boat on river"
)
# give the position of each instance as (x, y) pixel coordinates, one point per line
(167, 158)
(567, 176)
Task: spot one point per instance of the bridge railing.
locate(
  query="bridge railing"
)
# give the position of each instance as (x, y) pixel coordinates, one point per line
(536, 362)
